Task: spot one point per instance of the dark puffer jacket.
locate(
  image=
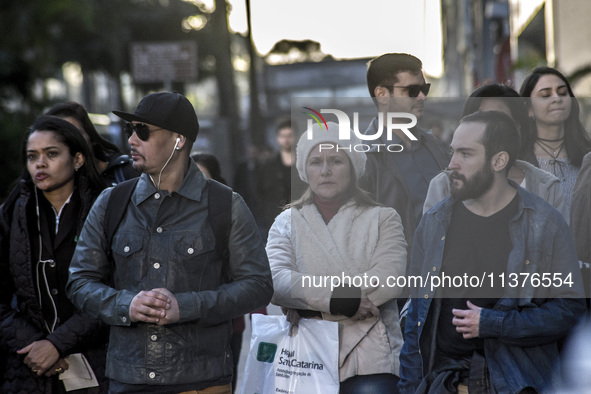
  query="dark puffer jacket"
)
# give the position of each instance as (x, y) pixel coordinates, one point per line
(21, 315)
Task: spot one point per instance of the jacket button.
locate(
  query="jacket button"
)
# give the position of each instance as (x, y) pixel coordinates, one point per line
(426, 296)
(526, 262)
(443, 238)
(159, 230)
(190, 250)
(52, 264)
(154, 338)
(124, 319)
(152, 375)
(126, 249)
(54, 292)
(434, 268)
(156, 265)
(157, 196)
(418, 324)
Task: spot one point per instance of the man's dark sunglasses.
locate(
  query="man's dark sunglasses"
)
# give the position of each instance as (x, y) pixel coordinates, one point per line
(141, 129)
(414, 90)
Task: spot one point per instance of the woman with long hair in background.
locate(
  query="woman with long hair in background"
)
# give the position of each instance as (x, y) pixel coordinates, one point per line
(113, 166)
(555, 139)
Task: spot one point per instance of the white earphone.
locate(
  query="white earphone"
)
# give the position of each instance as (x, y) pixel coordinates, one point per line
(176, 147)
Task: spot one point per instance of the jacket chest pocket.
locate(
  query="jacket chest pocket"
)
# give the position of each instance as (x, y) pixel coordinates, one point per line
(127, 244)
(129, 251)
(192, 245)
(536, 261)
(195, 261)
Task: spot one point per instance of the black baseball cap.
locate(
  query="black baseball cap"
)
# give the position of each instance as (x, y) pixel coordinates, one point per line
(169, 110)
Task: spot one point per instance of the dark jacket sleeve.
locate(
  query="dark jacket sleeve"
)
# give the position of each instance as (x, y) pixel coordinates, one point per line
(74, 334)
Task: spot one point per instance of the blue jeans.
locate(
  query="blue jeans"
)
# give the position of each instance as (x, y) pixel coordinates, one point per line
(383, 383)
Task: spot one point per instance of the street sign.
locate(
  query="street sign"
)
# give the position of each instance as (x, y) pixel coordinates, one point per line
(174, 61)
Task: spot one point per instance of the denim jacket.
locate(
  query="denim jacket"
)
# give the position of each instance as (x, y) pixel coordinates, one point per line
(521, 332)
(165, 240)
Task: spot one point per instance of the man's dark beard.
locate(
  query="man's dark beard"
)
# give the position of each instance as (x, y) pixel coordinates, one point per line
(474, 187)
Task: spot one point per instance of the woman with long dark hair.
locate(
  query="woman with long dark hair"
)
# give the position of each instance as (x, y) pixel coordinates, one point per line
(555, 139)
(40, 330)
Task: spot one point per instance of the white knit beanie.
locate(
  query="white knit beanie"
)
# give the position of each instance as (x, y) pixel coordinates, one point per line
(329, 135)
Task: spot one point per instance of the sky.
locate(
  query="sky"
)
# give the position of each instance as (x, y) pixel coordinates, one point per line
(348, 29)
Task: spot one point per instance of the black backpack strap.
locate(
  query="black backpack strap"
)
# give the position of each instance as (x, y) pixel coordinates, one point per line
(219, 208)
(116, 207)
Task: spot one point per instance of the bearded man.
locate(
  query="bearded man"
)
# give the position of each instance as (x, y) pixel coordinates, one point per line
(481, 322)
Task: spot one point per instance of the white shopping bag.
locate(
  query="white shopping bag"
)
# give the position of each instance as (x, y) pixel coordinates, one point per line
(305, 363)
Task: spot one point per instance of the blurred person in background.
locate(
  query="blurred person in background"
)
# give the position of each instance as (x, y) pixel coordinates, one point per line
(113, 166)
(209, 166)
(335, 228)
(575, 375)
(277, 176)
(497, 97)
(554, 138)
(40, 223)
(245, 180)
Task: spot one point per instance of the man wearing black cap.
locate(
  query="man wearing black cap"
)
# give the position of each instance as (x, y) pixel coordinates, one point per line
(161, 283)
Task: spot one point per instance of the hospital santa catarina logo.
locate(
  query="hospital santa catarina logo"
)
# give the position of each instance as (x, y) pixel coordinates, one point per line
(391, 121)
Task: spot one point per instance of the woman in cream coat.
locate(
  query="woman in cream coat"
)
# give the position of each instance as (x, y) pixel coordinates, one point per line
(336, 231)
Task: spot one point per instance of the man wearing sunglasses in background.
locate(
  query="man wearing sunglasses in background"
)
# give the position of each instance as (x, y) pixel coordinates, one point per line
(160, 281)
(400, 179)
